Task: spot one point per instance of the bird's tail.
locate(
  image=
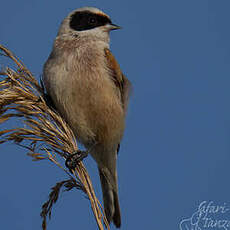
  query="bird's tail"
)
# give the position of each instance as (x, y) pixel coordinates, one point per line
(110, 197)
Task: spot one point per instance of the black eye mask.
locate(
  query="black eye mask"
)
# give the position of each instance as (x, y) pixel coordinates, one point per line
(87, 20)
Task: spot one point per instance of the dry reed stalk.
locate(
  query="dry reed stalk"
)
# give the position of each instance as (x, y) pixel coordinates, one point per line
(44, 133)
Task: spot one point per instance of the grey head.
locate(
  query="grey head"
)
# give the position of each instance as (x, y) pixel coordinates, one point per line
(87, 22)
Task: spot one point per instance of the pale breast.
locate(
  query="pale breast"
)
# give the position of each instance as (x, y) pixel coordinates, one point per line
(80, 85)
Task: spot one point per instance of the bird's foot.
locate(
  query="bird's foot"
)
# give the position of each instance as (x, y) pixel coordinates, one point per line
(73, 159)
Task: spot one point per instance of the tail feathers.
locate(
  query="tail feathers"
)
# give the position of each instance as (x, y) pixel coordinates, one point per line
(117, 213)
(110, 198)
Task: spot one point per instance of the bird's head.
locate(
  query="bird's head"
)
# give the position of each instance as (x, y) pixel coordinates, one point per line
(87, 22)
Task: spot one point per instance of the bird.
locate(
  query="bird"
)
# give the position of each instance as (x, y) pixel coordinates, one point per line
(89, 90)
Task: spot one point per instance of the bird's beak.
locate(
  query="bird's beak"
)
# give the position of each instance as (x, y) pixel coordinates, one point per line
(112, 27)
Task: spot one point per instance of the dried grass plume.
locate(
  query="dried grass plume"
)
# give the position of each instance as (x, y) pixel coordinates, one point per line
(43, 133)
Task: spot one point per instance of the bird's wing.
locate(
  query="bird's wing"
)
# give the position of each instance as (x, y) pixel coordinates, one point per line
(121, 82)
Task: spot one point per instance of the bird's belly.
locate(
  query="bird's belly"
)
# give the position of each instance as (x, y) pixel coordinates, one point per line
(94, 112)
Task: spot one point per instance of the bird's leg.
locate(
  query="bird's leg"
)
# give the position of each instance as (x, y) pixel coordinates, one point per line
(73, 159)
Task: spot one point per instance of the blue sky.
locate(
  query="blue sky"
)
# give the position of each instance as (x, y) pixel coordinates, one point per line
(175, 152)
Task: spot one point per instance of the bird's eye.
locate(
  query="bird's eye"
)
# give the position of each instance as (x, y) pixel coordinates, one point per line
(92, 20)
